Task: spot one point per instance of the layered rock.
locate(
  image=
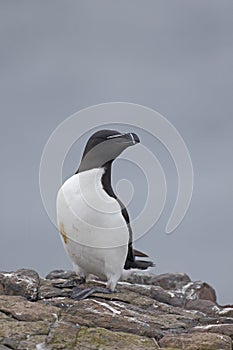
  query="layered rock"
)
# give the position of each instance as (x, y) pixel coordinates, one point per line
(148, 311)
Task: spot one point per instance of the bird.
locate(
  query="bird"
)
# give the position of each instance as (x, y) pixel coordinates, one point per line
(93, 222)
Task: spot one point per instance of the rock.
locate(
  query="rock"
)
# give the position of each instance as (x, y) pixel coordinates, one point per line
(130, 318)
(171, 297)
(166, 280)
(227, 312)
(113, 340)
(32, 342)
(3, 347)
(140, 278)
(168, 297)
(226, 329)
(22, 282)
(214, 319)
(155, 311)
(63, 335)
(115, 316)
(171, 280)
(69, 336)
(205, 306)
(60, 302)
(199, 290)
(197, 341)
(61, 274)
(18, 308)
(13, 332)
(47, 290)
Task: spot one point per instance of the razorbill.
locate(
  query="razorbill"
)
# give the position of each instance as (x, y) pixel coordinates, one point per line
(93, 223)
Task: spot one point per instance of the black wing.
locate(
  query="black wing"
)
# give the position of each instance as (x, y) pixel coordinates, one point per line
(131, 262)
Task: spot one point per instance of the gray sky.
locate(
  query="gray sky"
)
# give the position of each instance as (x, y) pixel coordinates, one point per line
(174, 56)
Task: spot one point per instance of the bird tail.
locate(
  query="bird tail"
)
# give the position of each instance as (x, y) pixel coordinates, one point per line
(140, 264)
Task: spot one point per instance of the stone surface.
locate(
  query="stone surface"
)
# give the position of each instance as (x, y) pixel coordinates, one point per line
(199, 290)
(20, 309)
(226, 329)
(197, 341)
(22, 282)
(175, 298)
(148, 312)
(3, 347)
(14, 332)
(66, 336)
(48, 290)
(227, 312)
(118, 316)
(166, 280)
(206, 306)
(60, 274)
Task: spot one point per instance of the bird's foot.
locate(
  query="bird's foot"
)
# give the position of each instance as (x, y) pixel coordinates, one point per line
(80, 293)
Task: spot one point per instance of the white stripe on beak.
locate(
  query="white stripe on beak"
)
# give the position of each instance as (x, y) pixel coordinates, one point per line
(114, 136)
(133, 140)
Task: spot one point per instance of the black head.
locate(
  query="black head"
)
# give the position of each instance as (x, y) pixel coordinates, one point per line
(104, 146)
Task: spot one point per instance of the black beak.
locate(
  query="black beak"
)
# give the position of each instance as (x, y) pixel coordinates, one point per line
(130, 138)
(133, 138)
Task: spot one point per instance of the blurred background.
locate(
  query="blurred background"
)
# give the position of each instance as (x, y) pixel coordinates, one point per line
(174, 56)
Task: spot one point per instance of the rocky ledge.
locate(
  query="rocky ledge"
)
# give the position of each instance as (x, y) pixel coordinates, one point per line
(148, 311)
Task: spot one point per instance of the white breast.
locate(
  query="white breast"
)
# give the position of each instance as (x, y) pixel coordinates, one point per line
(94, 232)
